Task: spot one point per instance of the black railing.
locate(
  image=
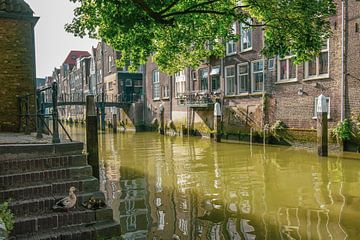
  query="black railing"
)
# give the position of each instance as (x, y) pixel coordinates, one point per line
(196, 99)
(40, 115)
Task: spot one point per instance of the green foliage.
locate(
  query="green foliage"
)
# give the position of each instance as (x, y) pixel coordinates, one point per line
(278, 130)
(343, 131)
(175, 33)
(7, 216)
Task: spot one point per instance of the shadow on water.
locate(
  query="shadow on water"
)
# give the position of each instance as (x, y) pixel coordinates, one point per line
(188, 188)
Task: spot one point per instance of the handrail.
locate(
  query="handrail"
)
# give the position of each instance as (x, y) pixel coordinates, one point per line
(40, 114)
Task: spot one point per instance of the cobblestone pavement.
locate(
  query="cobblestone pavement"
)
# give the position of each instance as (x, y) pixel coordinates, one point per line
(21, 138)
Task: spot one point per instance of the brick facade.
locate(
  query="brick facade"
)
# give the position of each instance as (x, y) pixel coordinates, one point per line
(17, 54)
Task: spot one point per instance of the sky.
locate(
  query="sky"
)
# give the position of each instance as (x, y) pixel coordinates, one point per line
(52, 43)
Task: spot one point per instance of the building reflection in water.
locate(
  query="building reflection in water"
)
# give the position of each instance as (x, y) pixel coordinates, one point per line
(179, 188)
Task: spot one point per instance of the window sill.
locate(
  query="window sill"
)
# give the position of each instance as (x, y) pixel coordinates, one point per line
(156, 99)
(254, 94)
(315, 118)
(166, 98)
(320, 77)
(230, 54)
(246, 50)
(286, 81)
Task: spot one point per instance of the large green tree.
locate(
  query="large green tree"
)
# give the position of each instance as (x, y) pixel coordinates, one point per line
(175, 32)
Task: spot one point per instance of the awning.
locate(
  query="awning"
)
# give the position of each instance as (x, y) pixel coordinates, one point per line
(215, 71)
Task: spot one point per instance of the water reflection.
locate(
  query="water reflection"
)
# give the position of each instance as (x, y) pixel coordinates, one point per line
(188, 188)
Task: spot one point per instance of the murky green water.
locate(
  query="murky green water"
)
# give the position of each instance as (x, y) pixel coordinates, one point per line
(190, 188)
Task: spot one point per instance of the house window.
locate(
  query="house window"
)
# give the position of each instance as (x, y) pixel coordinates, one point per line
(243, 78)
(215, 78)
(318, 66)
(204, 74)
(258, 75)
(271, 64)
(316, 104)
(156, 84)
(180, 83)
(246, 36)
(110, 86)
(231, 45)
(166, 92)
(230, 80)
(110, 63)
(286, 69)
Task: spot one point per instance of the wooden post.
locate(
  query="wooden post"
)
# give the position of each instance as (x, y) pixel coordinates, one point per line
(115, 123)
(322, 126)
(217, 121)
(92, 145)
(162, 120)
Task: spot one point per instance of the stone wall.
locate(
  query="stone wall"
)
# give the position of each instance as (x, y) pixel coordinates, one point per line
(17, 72)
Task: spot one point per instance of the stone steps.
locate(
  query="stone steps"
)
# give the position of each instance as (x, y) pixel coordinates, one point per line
(38, 164)
(45, 176)
(105, 229)
(44, 205)
(86, 184)
(59, 220)
(34, 177)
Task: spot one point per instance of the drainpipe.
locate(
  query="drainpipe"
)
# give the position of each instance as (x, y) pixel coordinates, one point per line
(342, 83)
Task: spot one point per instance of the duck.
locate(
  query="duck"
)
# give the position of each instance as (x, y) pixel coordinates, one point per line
(67, 202)
(94, 204)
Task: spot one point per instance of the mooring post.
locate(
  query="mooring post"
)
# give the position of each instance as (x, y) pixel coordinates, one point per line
(92, 136)
(162, 121)
(115, 123)
(217, 121)
(322, 126)
(56, 137)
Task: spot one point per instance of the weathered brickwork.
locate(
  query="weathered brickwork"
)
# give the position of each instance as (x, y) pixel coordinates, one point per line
(17, 72)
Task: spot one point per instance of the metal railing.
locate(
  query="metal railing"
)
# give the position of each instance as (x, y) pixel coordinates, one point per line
(196, 99)
(40, 115)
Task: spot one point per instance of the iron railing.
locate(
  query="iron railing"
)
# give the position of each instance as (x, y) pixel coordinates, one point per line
(40, 115)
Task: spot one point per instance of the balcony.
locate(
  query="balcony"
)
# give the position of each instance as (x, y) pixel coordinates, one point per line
(197, 99)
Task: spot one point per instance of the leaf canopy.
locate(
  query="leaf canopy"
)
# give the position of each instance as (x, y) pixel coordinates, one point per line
(175, 32)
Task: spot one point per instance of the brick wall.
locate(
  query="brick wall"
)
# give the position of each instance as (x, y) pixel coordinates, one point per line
(17, 72)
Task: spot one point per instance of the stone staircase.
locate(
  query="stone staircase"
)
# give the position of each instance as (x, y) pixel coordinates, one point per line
(34, 177)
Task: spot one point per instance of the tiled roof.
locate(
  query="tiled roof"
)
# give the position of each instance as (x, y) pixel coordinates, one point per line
(73, 55)
(15, 6)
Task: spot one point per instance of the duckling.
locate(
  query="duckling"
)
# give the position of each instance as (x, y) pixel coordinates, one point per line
(94, 204)
(67, 202)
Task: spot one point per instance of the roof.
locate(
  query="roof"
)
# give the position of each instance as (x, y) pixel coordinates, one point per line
(15, 6)
(73, 55)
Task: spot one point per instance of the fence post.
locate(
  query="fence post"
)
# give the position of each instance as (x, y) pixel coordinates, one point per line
(162, 119)
(39, 127)
(55, 138)
(92, 145)
(115, 123)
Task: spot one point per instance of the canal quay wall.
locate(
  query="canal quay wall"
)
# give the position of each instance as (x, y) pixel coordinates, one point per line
(34, 174)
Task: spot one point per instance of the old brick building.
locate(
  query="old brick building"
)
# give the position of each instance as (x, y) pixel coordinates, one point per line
(256, 91)
(17, 54)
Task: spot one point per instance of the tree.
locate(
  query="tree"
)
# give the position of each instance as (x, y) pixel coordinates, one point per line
(175, 32)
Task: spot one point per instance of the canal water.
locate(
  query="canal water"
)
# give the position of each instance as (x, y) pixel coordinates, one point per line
(163, 187)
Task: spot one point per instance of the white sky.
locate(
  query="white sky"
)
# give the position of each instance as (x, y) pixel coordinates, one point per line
(52, 43)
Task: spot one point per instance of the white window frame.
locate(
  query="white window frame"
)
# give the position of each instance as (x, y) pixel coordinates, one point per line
(253, 72)
(271, 69)
(156, 82)
(180, 82)
(231, 45)
(239, 75)
(287, 79)
(317, 59)
(226, 80)
(110, 63)
(315, 107)
(242, 26)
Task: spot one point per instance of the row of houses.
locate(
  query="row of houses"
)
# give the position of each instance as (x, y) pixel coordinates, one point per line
(254, 91)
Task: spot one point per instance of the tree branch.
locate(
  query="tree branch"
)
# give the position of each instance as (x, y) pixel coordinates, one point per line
(202, 11)
(154, 15)
(168, 7)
